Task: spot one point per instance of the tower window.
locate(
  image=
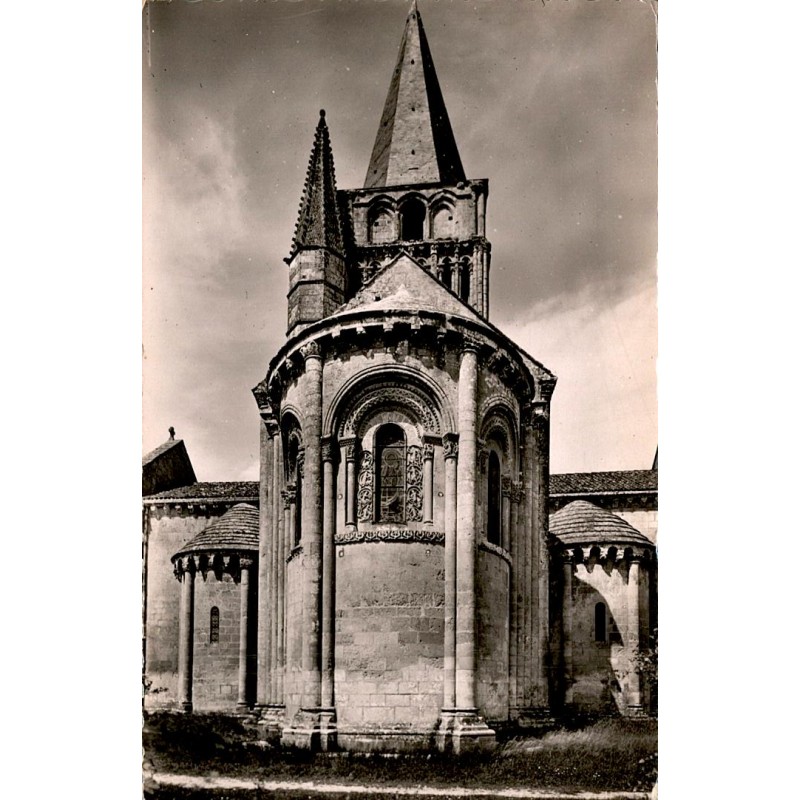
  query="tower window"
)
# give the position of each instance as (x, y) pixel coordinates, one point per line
(464, 283)
(493, 531)
(390, 474)
(213, 625)
(447, 273)
(600, 622)
(412, 220)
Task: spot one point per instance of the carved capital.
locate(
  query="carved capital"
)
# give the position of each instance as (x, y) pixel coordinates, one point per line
(330, 451)
(272, 427)
(483, 458)
(505, 486)
(262, 397)
(427, 452)
(450, 445)
(301, 463)
(470, 344)
(311, 350)
(245, 562)
(350, 448)
(288, 496)
(517, 492)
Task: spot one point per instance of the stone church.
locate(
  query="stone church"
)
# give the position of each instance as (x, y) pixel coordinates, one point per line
(406, 573)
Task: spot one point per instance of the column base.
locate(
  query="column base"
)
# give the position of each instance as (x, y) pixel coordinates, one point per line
(311, 729)
(464, 730)
(186, 707)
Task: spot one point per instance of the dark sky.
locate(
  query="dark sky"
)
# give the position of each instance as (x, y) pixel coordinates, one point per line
(554, 103)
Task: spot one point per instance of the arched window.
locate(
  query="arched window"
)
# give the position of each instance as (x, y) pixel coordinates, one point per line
(447, 273)
(412, 220)
(464, 283)
(390, 474)
(381, 225)
(494, 527)
(213, 625)
(600, 622)
(298, 509)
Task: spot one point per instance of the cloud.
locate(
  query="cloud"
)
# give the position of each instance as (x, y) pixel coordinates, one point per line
(604, 406)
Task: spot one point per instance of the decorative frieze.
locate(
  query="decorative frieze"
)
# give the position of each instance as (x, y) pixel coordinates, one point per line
(366, 487)
(414, 483)
(390, 535)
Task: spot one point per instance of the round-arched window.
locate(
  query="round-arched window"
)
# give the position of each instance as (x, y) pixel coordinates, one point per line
(390, 474)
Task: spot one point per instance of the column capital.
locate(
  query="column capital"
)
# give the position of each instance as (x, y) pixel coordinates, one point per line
(470, 344)
(506, 486)
(517, 492)
(311, 349)
(330, 450)
(245, 562)
(427, 451)
(288, 496)
(450, 445)
(271, 424)
(349, 447)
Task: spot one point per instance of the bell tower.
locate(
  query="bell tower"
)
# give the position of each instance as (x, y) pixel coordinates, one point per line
(416, 197)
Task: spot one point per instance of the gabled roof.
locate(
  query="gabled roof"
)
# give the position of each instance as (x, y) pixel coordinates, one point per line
(318, 223)
(404, 284)
(234, 531)
(623, 482)
(582, 522)
(415, 143)
(160, 450)
(208, 492)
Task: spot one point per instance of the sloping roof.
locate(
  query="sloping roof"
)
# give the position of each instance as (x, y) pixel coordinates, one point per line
(318, 223)
(213, 490)
(415, 142)
(583, 522)
(160, 450)
(235, 530)
(627, 481)
(404, 284)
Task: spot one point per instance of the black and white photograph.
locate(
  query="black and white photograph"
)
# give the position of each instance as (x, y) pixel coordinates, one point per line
(399, 398)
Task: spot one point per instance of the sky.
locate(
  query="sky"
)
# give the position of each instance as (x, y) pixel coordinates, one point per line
(554, 102)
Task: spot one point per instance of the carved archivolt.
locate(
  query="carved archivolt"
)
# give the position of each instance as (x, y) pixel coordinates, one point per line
(389, 394)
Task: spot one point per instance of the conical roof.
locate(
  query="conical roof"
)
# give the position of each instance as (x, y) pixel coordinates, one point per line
(235, 531)
(415, 143)
(318, 223)
(581, 522)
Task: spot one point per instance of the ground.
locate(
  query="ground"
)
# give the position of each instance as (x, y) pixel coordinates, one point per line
(612, 755)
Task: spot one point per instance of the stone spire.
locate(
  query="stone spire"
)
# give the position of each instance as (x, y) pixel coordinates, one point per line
(318, 223)
(415, 143)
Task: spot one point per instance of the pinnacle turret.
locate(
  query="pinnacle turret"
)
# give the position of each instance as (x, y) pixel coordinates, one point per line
(415, 143)
(318, 223)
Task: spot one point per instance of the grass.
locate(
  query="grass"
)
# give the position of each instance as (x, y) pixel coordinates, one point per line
(614, 754)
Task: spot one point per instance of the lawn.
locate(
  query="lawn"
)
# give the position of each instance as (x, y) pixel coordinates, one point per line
(613, 754)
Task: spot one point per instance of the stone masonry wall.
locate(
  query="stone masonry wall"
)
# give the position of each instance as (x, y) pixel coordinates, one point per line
(389, 635)
(168, 532)
(601, 669)
(216, 665)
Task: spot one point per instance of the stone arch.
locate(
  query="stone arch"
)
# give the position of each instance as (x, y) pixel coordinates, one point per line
(381, 221)
(442, 220)
(412, 212)
(380, 388)
(498, 424)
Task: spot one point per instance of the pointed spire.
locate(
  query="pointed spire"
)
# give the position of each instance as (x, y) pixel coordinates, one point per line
(318, 223)
(415, 143)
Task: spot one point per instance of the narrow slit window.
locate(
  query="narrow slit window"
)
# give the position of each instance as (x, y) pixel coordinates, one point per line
(214, 625)
(600, 622)
(495, 500)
